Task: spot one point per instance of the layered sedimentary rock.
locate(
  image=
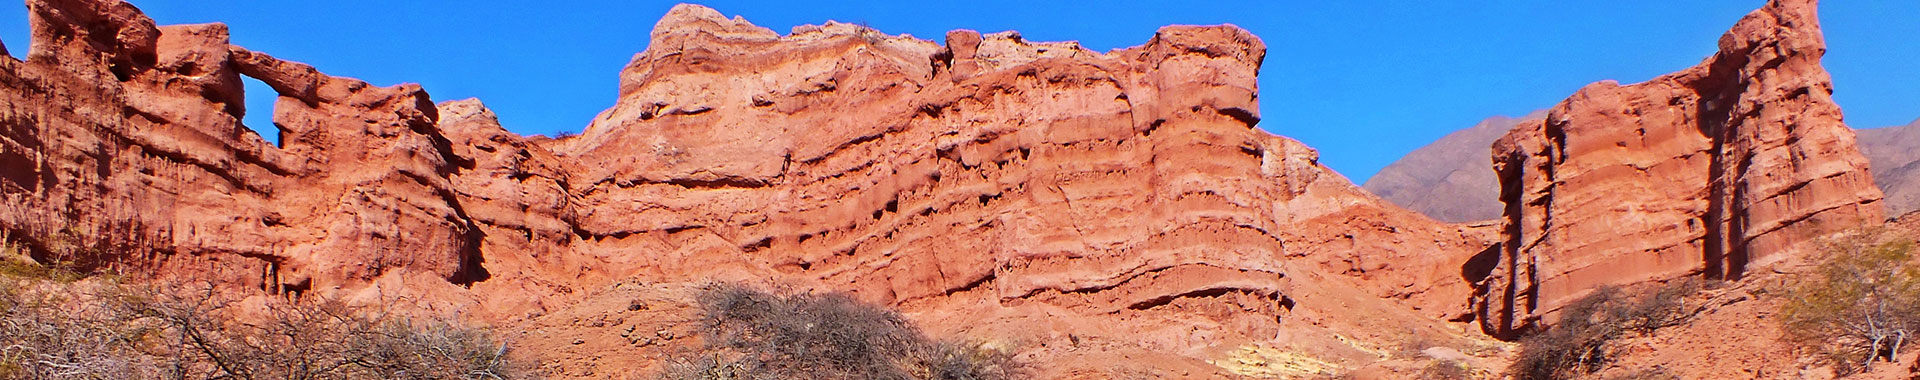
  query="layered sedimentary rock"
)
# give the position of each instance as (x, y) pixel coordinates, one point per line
(123, 149)
(1448, 179)
(1036, 193)
(1719, 169)
(1048, 181)
(838, 147)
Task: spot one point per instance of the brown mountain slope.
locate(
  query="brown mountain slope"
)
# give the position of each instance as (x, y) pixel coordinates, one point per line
(1447, 180)
(1895, 154)
(1102, 214)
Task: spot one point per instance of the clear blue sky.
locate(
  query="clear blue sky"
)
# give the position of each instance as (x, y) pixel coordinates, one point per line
(1362, 81)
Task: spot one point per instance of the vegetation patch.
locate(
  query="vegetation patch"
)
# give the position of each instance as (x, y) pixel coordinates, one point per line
(1861, 305)
(101, 330)
(1577, 344)
(750, 334)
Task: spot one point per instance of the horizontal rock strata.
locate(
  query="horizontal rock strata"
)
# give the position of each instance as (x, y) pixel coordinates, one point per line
(1719, 169)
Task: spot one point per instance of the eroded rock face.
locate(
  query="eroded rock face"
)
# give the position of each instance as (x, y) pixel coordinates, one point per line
(1084, 207)
(123, 149)
(1027, 181)
(1720, 169)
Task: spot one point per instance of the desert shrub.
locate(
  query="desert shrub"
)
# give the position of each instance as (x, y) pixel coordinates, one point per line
(108, 331)
(1445, 370)
(46, 336)
(1645, 374)
(949, 360)
(1654, 309)
(750, 334)
(1577, 343)
(1860, 305)
(315, 339)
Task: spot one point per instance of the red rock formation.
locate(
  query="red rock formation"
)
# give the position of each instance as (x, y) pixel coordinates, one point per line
(1031, 193)
(1037, 179)
(123, 149)
(1719, 169)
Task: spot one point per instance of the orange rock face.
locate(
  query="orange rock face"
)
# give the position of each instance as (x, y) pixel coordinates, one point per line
(123, 149)
(1082, 207)
(1718, 170)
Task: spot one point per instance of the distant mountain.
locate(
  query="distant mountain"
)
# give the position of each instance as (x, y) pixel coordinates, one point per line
(1452, 179)
(1895, 156)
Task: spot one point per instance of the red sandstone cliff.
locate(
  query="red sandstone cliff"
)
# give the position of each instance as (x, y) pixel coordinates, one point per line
(1106, 213)
(1723, 168)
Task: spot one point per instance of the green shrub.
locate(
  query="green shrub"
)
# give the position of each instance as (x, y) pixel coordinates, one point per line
(1861, 305)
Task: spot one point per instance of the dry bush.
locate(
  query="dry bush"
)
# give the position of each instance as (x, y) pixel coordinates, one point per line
(317, 339)
(1645, 374)
(1574, 346)
(1577, 344)
(1861, 305)
(1445, 370)
(1654, 309)
(751, 334)
(99, 330)
(46, 336)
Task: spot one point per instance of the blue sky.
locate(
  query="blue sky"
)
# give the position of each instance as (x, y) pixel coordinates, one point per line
(1362, 81)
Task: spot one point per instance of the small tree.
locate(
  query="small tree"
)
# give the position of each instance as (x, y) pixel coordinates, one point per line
(1861, 305)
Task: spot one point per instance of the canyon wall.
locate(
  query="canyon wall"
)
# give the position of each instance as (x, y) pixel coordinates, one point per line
(1723, 168)
(123, 150)
(1036, 193)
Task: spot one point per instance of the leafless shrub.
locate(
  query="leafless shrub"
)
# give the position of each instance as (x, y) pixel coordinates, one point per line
(101, 330)
(1577, 344)
(1445, 370)
(756, 335)
(317, 339)
(1654, 309)
(46, 336)
(1645, 374)
(961, 361)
